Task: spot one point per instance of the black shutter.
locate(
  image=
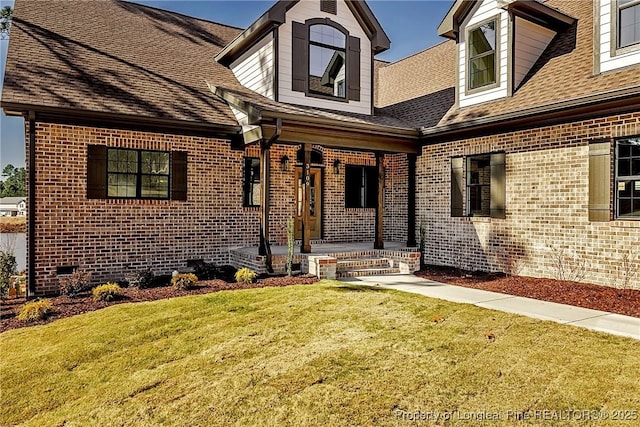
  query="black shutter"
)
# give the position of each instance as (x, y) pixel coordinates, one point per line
(300, 58)
(96, 172)
(457, 186)
(498, 186)
(178, 175)
(353, 68)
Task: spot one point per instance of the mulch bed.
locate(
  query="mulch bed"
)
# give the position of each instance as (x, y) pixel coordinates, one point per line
(65, 306)
(613, 300)
(605, 298)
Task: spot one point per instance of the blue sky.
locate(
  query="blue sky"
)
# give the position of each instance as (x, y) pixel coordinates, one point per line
(411, 26)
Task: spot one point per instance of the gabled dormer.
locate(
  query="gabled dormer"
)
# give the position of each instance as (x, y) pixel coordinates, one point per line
(498, 43)
(316, 53)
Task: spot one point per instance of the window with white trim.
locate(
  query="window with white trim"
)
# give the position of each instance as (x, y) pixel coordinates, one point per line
(628, 14)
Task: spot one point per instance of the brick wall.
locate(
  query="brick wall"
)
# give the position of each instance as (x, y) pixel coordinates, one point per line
(547, 175)
(112, 237)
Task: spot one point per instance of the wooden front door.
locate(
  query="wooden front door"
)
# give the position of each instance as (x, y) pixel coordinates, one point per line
(315, 203)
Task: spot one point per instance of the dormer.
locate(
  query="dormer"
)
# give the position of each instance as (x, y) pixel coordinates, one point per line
(618, 29)
(498, 43)
(315, 53)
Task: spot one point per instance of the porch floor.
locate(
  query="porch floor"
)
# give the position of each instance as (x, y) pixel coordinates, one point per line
(329, 248)
(333, 257)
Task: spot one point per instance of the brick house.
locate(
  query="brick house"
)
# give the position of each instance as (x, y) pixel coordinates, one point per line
(177, 139)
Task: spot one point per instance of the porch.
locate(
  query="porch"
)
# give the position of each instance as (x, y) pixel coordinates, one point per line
(333, 260)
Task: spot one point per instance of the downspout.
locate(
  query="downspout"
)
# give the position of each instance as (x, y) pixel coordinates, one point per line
(31, 212)
(264, 230)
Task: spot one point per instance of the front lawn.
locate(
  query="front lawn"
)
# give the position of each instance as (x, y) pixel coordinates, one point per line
(325, 354)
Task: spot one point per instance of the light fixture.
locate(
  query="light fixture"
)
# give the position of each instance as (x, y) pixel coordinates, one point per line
(284, 163)
(336, 166)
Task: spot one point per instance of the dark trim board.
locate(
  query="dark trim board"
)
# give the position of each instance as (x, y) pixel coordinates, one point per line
(123, 121)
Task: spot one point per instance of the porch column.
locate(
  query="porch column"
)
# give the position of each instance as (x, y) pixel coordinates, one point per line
(411, 200)
(265, 181)
(379, 239)
(306, 208)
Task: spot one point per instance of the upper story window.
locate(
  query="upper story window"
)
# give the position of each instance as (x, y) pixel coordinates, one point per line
(327, 60)
(482, 42)
(629, 22)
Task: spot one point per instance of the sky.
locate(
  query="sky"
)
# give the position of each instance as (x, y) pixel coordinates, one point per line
(411, 26)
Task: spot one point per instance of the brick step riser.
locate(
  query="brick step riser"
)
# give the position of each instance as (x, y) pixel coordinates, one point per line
(362, 273)
(347, 265)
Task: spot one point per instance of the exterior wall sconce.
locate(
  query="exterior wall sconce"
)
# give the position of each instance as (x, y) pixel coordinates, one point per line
(284, 163)
(336, 166)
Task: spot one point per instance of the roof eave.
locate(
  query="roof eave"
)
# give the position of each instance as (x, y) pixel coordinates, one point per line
(573, 109)
(541, 14)
(450, 24)
(71, 114)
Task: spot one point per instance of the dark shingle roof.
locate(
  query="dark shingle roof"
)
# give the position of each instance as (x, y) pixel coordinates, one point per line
(116, 57)
(262, 103)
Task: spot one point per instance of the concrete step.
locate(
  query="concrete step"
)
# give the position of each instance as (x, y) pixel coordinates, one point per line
(367, 272)
(362, 263)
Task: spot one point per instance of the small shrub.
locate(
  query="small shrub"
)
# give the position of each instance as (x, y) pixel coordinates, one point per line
(184, 281)
(107, 292)
(205, 270)
(7, 269)
(75, 283)
(140, 279)
(245, 275)
(35, 310)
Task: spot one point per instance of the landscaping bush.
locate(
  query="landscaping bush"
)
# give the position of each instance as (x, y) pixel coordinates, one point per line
(184, 281)
(75, 283)
(209, 271)
(140, 279)
(245, 275)
(7, 269)
(107, 292)
(35, 310)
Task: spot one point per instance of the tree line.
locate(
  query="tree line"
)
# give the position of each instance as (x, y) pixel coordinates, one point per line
(14, 182)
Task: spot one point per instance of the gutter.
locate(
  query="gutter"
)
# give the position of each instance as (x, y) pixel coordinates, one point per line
(56, 114)
(411, 133)
(541, 115)
(31, 219)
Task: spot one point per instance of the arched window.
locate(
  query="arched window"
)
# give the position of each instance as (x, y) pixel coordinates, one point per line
(327, 60)
(316, 156)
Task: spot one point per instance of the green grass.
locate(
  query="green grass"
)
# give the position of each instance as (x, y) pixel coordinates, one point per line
(327, 354)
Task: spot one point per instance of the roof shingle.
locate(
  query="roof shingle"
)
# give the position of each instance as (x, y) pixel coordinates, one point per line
(116, 57)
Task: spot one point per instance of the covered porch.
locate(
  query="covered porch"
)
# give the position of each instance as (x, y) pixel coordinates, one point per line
(357, 147)
(333, 260)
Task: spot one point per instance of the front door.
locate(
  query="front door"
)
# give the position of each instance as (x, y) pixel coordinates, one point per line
(315, 223)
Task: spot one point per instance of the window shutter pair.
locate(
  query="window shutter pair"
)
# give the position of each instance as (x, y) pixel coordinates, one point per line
(97, 173)
(498, 186)
(300, 62)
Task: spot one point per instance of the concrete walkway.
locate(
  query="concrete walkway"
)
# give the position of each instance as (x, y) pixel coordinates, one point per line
(615, 324)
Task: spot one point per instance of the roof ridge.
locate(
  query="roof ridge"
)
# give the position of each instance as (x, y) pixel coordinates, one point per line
(181, 14)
